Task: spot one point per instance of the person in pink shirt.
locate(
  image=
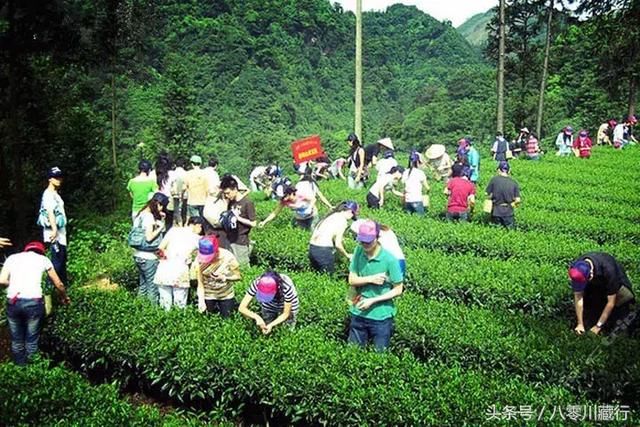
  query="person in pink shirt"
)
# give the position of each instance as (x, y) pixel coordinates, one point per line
(461, 193)
(303, 205)
(582, 145)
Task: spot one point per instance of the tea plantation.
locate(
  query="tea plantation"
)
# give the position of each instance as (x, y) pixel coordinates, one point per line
(483, 336)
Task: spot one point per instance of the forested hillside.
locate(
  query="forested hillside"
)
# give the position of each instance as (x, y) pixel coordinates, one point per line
(94, 86)
(474, 29)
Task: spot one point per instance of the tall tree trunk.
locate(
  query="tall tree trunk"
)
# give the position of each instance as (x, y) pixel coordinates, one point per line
(114, 100)
(358, 101)
(500, 112)
(18, 209)
(545, 71)
(633, 93)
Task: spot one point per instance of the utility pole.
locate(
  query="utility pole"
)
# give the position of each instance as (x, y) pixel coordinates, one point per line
(358, 112)
(500, 115)
(545, 71)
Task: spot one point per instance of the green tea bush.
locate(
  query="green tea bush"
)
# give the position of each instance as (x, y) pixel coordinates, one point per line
(40, 394)
(302, 376)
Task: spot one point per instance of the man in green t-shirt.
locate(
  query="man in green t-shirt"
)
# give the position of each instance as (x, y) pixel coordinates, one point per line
(141, 188)
(376, 277)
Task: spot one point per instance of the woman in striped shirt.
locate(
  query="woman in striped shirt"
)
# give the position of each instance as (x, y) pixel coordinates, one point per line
(278, 301)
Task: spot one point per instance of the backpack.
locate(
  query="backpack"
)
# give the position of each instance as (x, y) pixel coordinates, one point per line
(213, 209)
(228, 221)
(137, 239)
(278, 186)
(43, 218)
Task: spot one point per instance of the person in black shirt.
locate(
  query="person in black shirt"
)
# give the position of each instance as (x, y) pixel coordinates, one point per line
(504, 193)
(602, 291)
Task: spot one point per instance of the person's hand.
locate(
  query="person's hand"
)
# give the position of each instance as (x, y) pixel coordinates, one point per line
(579, 329)
(65, 300)
(365, 303)
(261, 224)
(349, 257)
(54, 236)
(267, 329)
(202, 307)
(219, 277)
(260, 323)
(596, 330)
(4, 242)
(378, 279)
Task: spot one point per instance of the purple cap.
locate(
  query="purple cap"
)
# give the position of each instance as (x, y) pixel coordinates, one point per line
(367, 231)
(579, 273)
(267, 288)
(207, 249)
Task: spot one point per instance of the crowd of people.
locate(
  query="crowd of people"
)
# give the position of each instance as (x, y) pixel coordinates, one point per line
(189, 225)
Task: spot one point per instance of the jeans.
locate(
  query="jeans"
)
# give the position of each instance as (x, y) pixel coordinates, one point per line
(195, 210)
(172, 295)
(506, 221)
(180, 210)
(372, 201)
(415, 207)
(362, 329)
(59, 261)
(270, 315)
(147, 270)
(460, 216)
(353, 184)
(322, 258)
(224, 307)
(25, 318)
(242, 253)
(306, 223)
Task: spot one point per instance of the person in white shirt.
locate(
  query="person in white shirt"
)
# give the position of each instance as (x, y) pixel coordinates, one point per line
(177, 250)
(386, 163)
(213, 178)
(328, 234)
(375, 196)
(414, 180)
(53, 220)
(23, 273)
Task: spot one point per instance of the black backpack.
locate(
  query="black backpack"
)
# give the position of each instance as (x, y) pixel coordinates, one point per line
(228, 221)
(278, 186)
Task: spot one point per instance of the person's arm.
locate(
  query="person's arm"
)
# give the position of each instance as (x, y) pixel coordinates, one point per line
(516, 202)
(578, 303)
(53, 224)
(375, 279)
(153, 230)
(606, 312)
(360, 171)
(4, 276)
(471, 200)
(425, 185)
(271, 216)
(324, 199)
(246, 312)
(4, 242)
(339, 247)
(55, 279)
(202, 307)
(234, 272)
(365, 303)
(286, 312)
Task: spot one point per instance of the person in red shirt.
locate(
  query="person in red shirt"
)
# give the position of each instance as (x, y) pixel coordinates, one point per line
(461, 194)
(582, 145)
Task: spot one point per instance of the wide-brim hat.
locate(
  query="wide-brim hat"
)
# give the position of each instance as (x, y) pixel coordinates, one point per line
(435, 151)
(386, 142)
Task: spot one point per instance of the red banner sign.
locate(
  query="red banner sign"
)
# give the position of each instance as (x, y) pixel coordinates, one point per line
(307, 149)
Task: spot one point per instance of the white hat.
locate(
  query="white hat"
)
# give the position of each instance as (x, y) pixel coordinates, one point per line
(435, 151)
(524, 130)
(386, 142)
(355, 225)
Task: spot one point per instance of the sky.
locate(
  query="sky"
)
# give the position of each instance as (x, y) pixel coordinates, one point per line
(456, 11)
